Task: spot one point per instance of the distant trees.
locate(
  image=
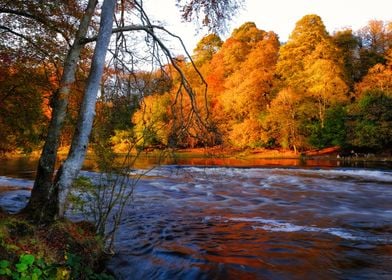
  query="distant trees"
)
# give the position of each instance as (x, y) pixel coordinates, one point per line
(301, 95)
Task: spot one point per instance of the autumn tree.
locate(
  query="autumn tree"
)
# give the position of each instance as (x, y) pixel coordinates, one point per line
(153, 121)
(379, 77)
(248, 91)
(283, 120)
(325, 83)
(313, 67)
(308, 33)
(119, 100)
(239, 78)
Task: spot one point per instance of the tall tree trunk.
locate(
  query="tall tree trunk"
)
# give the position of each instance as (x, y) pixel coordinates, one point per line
(72, 165)
(40, 206)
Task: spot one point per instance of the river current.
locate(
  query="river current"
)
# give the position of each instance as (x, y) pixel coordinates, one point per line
(215, 222)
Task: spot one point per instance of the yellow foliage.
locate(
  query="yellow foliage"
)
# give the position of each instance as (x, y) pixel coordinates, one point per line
(378, 77)
(152, 120)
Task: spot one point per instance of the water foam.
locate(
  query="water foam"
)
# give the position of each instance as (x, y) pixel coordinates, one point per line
(230, 172)
(282, 226)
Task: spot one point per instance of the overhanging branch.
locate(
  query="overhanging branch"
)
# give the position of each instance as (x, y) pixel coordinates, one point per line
(41, 20)
(24, 38)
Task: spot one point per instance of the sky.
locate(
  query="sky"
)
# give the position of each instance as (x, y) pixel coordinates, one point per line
(279, 16)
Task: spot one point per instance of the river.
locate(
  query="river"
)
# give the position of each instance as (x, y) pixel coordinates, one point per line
(269, 221)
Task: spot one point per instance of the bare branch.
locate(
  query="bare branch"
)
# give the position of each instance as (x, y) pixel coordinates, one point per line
(27, 39)
(36, 18)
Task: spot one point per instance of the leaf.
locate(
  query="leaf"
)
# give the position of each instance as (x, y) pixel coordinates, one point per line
(37, 271)
(27, 259)
(36, 274)
(21, 267)
(4, 264)
(5, 271)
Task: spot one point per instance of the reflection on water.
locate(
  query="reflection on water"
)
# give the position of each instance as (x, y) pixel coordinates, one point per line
(189, 222)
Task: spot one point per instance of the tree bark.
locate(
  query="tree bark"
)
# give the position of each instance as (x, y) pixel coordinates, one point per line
(41, 205)
(72, 165)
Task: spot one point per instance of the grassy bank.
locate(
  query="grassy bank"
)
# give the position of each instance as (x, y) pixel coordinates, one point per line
(63, 250)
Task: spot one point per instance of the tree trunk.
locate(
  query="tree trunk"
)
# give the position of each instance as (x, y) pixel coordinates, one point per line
(41, 205)
(72, 165)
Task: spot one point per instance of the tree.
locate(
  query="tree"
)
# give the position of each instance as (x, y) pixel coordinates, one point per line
(308, 33)
(206, 48)
(152, 121)
(376, 36)
(333, 132)
(312, 66)
(349, 45)
(48, 197)
(326, 86)
(248, 90)
(376, 40)
(22, 116)
(284, 120)
(379, 77)
(372, 121)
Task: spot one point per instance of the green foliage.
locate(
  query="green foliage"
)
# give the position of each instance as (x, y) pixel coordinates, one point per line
(30, 268)
(27, 268)
(5, 268)
(348, 45)
(372, 125)
(206, 48)
(334, 131)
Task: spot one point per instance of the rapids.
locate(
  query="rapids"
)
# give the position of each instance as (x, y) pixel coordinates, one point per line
(215, 222)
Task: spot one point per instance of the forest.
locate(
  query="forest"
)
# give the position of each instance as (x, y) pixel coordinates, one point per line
(316, 90)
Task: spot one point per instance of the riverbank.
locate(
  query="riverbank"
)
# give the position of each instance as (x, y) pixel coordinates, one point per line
(331, 153)
(62, 250)
(227, 154)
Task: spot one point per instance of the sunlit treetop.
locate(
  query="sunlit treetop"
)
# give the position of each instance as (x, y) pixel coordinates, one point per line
(207, 47)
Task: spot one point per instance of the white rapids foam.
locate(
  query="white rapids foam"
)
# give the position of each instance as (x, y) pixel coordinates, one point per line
(361, 174)
(281, 226)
